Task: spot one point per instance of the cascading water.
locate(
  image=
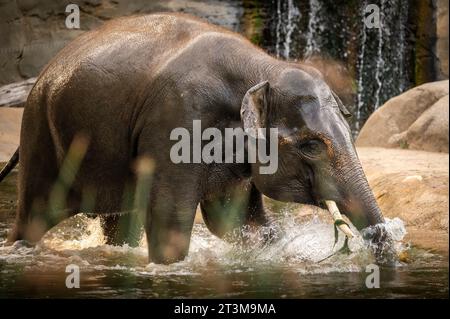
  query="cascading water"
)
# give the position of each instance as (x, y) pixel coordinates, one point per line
(312, 45)
(287, 19)
(293, 14)
(384, 61)
(359, 101)
(379, 59)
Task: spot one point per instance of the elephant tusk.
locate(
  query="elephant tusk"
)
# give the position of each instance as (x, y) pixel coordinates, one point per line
(334, 211)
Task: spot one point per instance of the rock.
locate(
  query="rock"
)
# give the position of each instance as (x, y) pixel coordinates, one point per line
(33, 31)
(399, 123)
(412, 185)
(15, 94)
(430, 131)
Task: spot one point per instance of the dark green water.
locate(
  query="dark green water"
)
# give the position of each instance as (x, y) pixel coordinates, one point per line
(214, 268)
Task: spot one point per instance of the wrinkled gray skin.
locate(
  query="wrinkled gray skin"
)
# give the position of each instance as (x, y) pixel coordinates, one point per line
(127, 84)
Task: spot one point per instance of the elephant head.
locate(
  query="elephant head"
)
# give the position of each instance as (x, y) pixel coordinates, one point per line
(317, 159)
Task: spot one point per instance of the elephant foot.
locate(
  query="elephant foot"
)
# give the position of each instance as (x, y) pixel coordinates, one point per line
(381, 243)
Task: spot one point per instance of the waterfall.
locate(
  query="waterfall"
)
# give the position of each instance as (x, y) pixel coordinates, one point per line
(312, 45)
(380, 60)
(359, 96)
(293, 12)
(404, 6)
(287, 21)
(278, 29)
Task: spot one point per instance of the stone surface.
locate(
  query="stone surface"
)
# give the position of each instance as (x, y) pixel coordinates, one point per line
(412, 185)
(430, 131)
(15, 94)
(33, 31)
(398, 123)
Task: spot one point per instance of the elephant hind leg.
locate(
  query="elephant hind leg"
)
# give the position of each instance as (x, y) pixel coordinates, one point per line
(42, 202)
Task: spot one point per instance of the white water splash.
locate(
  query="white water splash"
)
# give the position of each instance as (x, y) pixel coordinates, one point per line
(301, 247)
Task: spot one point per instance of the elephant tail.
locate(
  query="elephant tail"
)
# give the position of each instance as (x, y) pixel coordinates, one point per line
(10, 165)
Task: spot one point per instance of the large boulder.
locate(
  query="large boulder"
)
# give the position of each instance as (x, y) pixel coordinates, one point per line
(430, 131)
(416, 119)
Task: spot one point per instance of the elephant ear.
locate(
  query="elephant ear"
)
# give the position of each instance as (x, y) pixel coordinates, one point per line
(341, 106)
(254, 106)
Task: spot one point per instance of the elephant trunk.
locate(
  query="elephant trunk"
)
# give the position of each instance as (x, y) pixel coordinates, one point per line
(360, 206)
(358, 201)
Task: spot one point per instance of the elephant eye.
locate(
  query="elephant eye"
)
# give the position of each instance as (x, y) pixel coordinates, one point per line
(311, 148)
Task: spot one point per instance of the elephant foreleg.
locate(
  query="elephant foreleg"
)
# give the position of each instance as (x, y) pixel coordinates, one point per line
(170, 218)
(120, 229)
(237, 207)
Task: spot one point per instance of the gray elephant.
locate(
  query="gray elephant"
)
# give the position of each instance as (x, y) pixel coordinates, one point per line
(126, 85)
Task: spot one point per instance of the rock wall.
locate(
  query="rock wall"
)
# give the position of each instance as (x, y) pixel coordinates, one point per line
(442, 39)
(33, 31)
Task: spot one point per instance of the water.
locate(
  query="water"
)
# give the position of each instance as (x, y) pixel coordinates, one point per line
(287, 19)
(314, 26)
(289, 268)
(380, 60)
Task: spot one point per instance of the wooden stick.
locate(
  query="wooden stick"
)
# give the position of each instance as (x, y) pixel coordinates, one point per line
(334, 211)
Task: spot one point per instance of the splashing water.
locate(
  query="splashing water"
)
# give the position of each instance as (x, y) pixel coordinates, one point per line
(301, 245)
(243, 266)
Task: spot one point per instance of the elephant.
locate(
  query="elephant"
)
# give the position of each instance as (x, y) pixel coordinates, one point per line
(122, 89)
